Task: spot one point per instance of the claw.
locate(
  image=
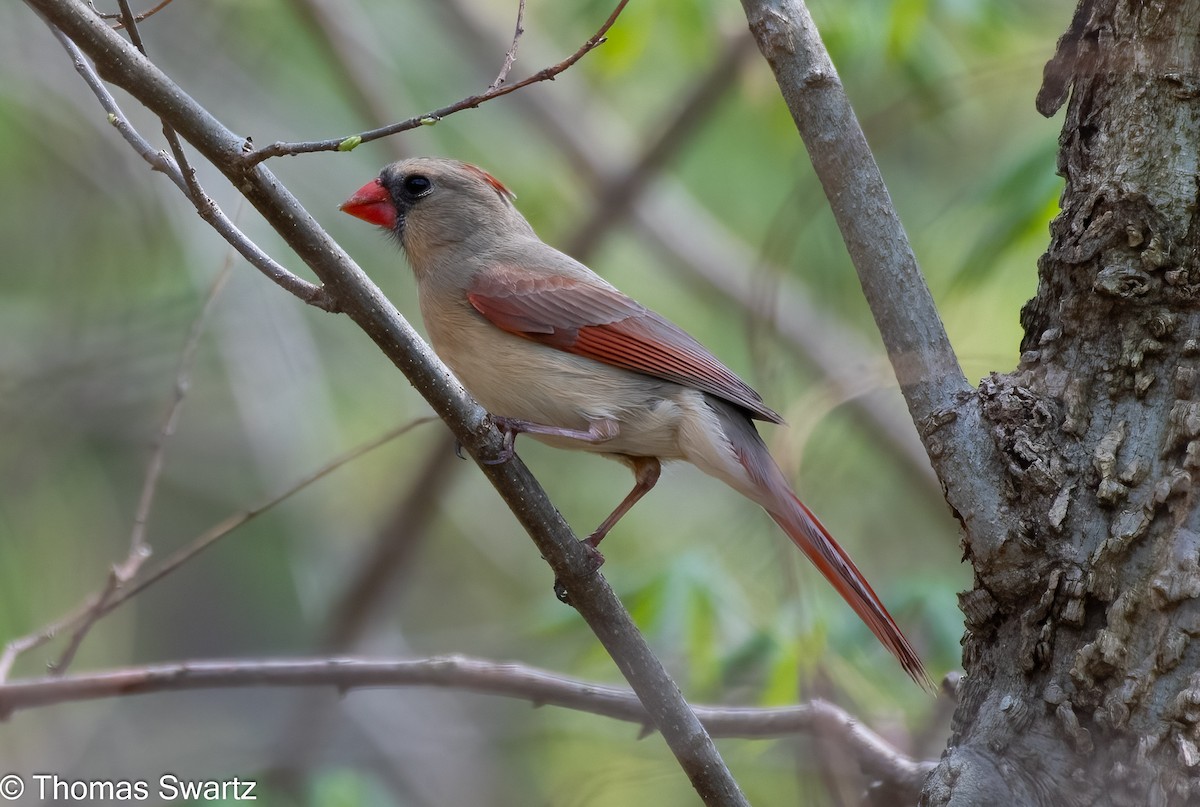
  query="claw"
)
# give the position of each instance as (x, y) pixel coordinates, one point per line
(510, 438)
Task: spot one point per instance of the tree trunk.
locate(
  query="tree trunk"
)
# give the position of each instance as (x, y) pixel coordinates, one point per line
(1082, 682)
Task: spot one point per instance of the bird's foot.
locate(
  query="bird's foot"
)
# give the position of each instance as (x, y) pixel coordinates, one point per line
(509, 428)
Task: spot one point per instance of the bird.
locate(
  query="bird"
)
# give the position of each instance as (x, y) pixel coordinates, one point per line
(551, 349)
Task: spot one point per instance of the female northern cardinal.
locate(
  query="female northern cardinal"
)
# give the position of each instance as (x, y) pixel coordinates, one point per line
(552, 349)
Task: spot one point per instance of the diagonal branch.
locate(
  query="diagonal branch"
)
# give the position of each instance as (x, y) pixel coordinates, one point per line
(347, 142)
(589, 593)
(939, 399)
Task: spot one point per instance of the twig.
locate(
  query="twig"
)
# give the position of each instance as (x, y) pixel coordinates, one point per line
(940, 401)
(219, 531)
(120, 25)
(103, 602)
(351, 141)
(207, 209)
(140, 17)
(139, 550)
(511, 55)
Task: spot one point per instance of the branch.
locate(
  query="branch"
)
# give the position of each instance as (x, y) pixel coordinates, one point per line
(143, 16)
(347, 142)
(139, 549)
(589, 593)
(877, 758)
(511, 55)
(940, 401)
(108, 598)
(205, 206)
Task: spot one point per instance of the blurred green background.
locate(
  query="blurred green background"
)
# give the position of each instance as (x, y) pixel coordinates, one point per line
(105, 266)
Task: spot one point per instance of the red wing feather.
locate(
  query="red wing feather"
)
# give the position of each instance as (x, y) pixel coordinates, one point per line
(601, 323)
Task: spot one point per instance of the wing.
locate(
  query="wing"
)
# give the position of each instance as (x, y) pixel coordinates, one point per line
(599, 322)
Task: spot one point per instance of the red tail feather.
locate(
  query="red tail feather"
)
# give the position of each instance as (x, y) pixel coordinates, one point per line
(808, 533)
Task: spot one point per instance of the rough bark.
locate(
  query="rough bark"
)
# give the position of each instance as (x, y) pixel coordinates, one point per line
(1082, 682)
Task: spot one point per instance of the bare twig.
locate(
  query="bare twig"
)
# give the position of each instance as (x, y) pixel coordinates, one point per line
(107, 599)
(511, 55)
(208, 209)
(219, 531)
(351, 141)
(139, 550)
(120, 25)
(363, 595)
(143, 16)
(940, 401)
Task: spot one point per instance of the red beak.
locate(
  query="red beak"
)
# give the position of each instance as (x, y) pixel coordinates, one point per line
(372, 204)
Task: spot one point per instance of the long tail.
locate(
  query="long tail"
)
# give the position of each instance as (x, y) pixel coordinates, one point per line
(808, 533)
(752, 471)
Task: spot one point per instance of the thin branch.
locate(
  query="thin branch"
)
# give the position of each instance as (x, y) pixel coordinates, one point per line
(140, 17)
(351, 141)
(875, 756)
(207, 209)
(139, 550)
(511, 55)
(940, 401)
(362, 300)
(107, 599)
(219, 531)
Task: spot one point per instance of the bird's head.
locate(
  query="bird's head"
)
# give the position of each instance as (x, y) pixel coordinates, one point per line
(432, 204)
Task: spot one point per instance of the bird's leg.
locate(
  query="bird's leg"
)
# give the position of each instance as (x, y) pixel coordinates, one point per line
(597, 432)
(645, 472)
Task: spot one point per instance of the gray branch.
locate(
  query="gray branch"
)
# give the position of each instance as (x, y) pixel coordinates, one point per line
(941, 402)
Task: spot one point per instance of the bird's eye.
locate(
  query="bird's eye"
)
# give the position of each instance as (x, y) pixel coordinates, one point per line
(417, 185)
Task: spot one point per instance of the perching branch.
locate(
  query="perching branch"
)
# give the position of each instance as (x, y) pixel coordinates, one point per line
(874, 755)
(939, 399)
(348, 142)
(120, 63)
